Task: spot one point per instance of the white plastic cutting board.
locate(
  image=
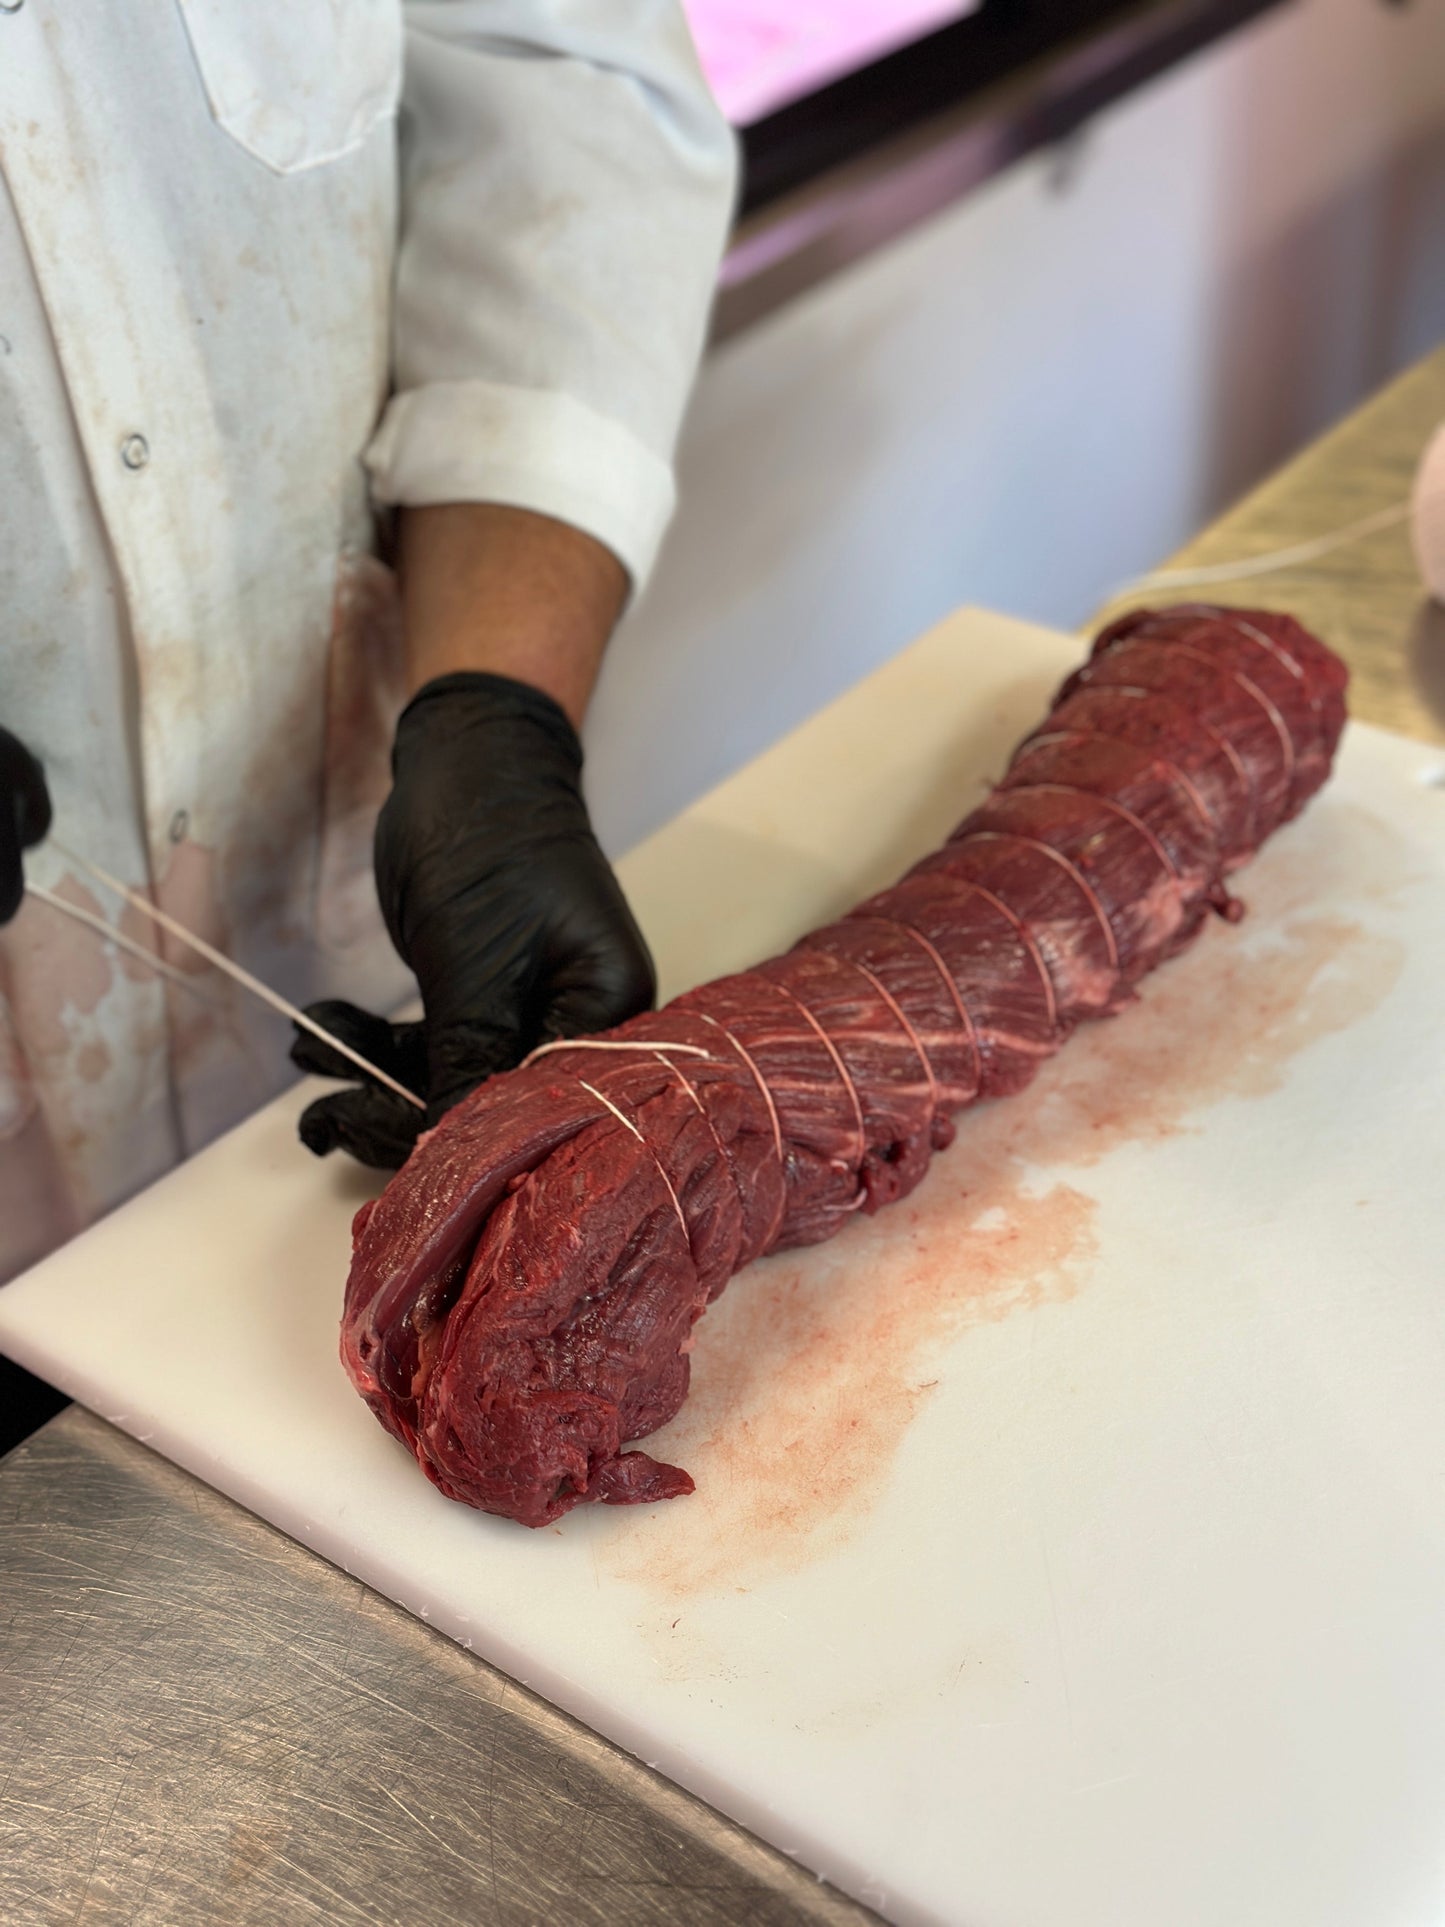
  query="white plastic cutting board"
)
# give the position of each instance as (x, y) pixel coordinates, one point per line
(1069, 1542)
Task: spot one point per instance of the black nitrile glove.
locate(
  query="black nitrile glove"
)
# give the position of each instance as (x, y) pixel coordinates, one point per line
(24, 817)
(496, 893)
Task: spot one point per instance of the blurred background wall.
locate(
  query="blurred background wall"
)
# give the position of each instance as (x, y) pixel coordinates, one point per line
(1041, 391)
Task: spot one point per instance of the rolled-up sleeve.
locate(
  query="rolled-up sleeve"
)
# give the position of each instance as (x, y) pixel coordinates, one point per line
(566, 187)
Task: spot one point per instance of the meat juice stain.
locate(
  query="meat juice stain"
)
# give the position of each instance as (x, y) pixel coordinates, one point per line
(809, 1370)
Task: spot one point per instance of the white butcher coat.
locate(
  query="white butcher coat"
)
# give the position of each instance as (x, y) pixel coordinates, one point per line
(262, 267)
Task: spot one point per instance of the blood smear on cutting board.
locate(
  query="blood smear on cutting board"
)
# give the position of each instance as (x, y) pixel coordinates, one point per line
(811, 1366)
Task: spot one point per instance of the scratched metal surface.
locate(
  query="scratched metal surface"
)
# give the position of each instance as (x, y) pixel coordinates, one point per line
(201, 1721)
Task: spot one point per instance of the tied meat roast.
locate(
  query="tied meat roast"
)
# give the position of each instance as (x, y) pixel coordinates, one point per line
(522, 1296)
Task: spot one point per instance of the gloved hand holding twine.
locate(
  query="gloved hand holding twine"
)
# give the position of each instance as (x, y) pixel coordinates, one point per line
(498, 896)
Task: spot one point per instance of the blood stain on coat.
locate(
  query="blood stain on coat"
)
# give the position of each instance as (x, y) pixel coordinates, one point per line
(202, 1034)
(52, 970)
(140, 930)
(365, 693)
(187, 892)
(93, 1060)
(812, 1367)
(36, 1210)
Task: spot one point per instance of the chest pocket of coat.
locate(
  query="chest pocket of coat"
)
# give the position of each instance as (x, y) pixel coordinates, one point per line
(301, 84)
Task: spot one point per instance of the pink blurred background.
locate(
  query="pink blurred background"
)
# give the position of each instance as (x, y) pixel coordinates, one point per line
(759, 55)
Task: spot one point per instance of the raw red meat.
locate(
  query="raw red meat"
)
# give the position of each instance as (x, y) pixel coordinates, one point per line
(522, 1295)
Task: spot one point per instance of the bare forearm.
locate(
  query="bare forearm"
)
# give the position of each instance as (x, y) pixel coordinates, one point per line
(485, 586)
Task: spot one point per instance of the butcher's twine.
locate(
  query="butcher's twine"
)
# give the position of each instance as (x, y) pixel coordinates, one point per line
(654, 1047)
(231, 969)
(109, 934)
(602, 1043)
(1271, 562)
